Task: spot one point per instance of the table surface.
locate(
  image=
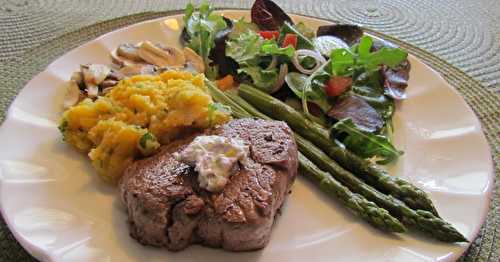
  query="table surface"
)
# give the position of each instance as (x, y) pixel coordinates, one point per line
(463, 33)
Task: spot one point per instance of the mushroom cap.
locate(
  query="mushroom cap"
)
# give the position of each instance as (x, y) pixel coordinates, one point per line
(72, 94)
(138, 69)
(126, 54)
(94, 74)
(161, 56)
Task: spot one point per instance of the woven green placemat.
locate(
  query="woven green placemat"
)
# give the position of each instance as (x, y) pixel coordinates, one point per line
(14, 74)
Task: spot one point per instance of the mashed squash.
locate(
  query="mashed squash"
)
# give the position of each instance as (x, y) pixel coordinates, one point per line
(117, 145)
(138, 115)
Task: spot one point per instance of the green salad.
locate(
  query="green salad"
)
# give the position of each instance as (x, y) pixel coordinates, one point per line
(337, 77)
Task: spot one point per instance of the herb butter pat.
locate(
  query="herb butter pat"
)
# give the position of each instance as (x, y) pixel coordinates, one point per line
(214, 158)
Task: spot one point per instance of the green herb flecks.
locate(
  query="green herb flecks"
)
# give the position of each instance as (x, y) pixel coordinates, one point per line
(63, 126)
(148, 144)
(214, 107)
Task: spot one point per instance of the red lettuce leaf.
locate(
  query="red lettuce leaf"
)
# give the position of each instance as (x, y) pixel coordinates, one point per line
(361, 113)
(226, 65)
(378, 43)
(350, 34)
(268, 15)
(396, 80)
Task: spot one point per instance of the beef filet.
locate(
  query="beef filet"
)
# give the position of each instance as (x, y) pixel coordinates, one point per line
(166, 207)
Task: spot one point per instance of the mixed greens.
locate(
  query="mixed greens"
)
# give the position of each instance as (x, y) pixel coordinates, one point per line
(254, 54)
(336, 88)
(338, 79)
(201, 29)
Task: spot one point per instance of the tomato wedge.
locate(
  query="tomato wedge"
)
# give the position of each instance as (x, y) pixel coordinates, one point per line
(290, 39)
(337, 85)
(269, 34)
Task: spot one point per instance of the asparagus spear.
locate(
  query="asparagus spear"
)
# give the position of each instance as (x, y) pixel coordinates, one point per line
(219, 96)
(420, 219)
(246, 106)
(408, 193)
(357, 204)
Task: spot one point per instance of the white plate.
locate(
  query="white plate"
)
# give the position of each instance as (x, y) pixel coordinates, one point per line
(60, 211)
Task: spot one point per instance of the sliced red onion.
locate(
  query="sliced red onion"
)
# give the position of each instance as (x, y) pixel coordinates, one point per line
(320, 60)
(281, 78)
(273, 64)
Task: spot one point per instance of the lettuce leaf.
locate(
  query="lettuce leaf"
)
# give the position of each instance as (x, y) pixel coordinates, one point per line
(390, 57)
(297, 82)
(302, 41)
(270, 47)
(365, 144)
(362, 114)
(202, 28)
(343, 61)
(368, 86)
(245, 49)
(261, 78)
(251, 51)
(249, 48)
(268, 15)
(305, 30)
(346, 61)
(311, 89)
(241, 26)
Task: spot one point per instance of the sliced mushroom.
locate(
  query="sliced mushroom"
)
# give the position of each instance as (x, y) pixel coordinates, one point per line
(162, 57)
(129, 51)
(92, 90)
(94, 74)
(193, 59)
(77, 77)
(119, 60)
(160, 70)
(115, 75)
(108, 83)
(72, 94)
(106, 90)
(126, 54)
(138, 69)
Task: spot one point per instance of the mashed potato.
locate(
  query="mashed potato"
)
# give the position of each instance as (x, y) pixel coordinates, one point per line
(138, 115)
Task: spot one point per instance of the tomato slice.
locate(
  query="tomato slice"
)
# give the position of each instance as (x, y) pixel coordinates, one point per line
(337, 85)
(290, 39)
(269, 34)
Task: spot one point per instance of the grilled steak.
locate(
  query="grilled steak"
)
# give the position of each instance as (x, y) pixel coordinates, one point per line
(167, 208)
